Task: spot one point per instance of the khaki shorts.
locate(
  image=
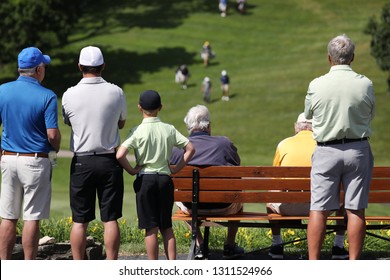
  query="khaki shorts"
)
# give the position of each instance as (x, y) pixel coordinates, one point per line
(233, 208)
(225, 87)
(26, 182)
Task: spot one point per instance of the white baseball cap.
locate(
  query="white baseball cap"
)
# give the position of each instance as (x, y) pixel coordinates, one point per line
(302, 119)
(91, 56)
(223, 73)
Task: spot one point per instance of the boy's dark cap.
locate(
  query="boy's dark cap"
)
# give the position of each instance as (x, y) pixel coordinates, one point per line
(150, 100)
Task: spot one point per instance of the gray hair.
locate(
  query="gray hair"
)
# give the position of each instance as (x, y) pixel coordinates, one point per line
(197, 118)
(28, 71)
(299, 126)
(341, 50)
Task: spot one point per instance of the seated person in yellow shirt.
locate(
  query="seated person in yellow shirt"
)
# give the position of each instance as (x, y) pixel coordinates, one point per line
(297, 151)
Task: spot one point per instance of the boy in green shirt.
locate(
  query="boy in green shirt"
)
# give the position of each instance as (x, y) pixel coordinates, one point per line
(152, 142)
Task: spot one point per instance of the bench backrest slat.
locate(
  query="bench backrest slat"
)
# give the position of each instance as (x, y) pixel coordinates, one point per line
(254, 184)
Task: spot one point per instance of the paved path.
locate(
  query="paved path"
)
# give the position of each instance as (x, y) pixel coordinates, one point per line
(263, 255)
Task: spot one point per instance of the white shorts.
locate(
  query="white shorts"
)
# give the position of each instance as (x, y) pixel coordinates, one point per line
(180, 78)
(222, 7)
(26, 182)
(204, 55)
(232, 209)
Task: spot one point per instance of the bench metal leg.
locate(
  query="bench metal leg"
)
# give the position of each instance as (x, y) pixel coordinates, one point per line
(377, 236)
(206, 242)
(191, 253)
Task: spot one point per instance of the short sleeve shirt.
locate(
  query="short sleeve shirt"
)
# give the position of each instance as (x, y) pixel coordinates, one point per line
(341, 105)
(27, 110)
(296, 150)
(93, 108)
(153, 142)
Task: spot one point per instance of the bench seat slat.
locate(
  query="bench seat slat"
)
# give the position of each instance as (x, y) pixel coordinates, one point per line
(265, 216)
(248, 197)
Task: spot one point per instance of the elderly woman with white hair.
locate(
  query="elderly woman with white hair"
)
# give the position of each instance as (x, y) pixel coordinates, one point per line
(210, 150)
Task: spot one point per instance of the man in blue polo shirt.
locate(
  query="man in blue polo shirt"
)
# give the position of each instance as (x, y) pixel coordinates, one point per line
(29, 117)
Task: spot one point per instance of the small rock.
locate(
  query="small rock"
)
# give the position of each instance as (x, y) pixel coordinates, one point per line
(47, 240)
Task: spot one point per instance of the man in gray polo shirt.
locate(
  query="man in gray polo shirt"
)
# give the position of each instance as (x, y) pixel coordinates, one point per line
(341, 105)
(96, 110)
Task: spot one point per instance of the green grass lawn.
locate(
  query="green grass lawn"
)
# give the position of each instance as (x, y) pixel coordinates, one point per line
(271, 55)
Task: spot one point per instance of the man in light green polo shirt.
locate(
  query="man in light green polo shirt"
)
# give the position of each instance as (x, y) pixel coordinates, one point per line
(341, 105)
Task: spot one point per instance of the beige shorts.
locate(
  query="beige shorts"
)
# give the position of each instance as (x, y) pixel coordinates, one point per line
(26, 182)
(290, 209)
(204, 55)
(225, 87)
(233, 208)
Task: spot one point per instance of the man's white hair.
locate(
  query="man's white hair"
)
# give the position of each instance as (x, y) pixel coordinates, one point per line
(341, 50)
(197, 118)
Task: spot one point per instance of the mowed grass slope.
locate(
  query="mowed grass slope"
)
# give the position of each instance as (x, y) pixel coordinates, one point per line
(271, 55)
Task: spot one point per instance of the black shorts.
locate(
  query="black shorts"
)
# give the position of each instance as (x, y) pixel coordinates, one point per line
(154, 196)
(91, 175)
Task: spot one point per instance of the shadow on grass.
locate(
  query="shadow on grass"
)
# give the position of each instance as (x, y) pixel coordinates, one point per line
(122, 67)
(105, 17)
(119, 16)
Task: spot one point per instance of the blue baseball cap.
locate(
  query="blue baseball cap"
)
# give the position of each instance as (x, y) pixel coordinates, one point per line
(32, 57)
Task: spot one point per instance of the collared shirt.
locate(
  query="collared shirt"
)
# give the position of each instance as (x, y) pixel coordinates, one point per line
(153, 142)
(93, 108)
(209, 150)
(296, 150)
(341, 105)
(27, 110)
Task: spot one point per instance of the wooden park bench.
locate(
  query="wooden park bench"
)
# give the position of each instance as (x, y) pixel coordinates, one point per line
(261, 184)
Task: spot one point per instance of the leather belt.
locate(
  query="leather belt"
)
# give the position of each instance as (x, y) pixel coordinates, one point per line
(42, 155)
(94, 153)
(341, 141)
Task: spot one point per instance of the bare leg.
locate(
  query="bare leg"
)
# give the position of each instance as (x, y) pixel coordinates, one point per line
(78, 240)
(199, 237)
(111, 239)
(231, 236)
(316, 233)
(7, 238)
(169, 243)
(340, 212)
(356, 231)
(151, 243)
(275, 229)
(30, 239)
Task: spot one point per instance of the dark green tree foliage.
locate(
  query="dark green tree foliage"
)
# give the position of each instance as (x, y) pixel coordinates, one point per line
(380, 42)
(42, 23)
